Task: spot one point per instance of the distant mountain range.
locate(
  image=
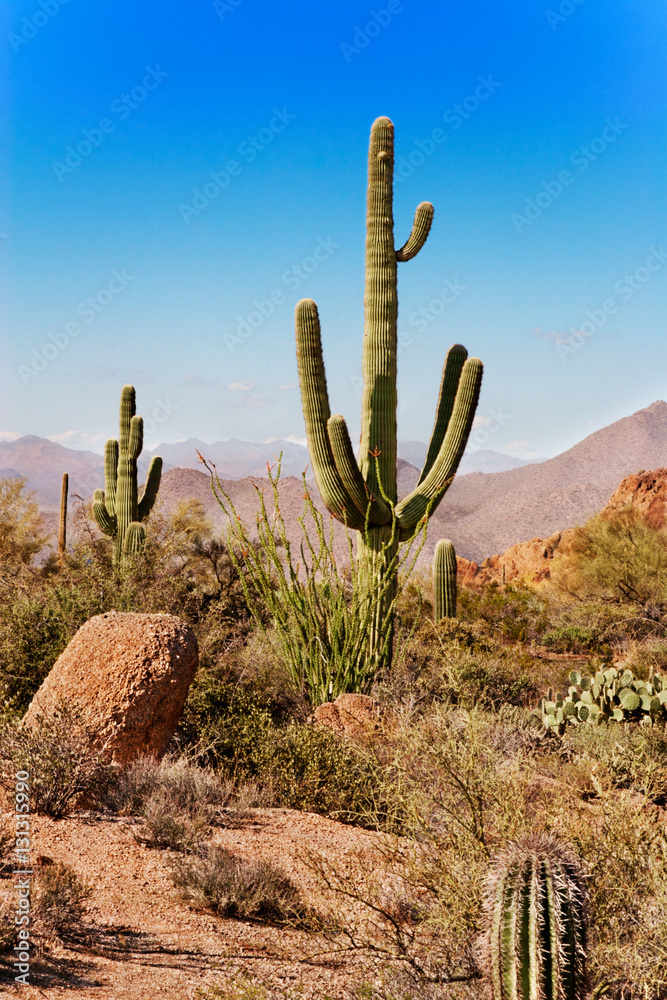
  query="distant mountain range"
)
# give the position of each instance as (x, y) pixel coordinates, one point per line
(43, 462)
(483, 512)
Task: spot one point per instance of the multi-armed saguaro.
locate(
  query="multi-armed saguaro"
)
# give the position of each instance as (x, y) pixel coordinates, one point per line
(117, 508)
(348, 488)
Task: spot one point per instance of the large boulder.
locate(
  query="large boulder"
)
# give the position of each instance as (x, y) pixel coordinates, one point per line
(129, 675)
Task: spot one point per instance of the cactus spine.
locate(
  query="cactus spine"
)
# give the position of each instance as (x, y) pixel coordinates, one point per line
(352, 491)
(117, 508)
(444, 580)
(62, 528)
(536, 922)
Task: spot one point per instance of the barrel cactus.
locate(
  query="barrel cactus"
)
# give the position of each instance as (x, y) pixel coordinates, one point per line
(363, 494)
(444, 580)
(536, 920)
(117, 508)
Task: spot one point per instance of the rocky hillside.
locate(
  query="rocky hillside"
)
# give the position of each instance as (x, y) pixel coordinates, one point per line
(487, 513)
(531, 561)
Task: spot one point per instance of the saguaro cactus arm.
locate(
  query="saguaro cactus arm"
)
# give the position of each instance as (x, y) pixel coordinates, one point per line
(150, 489)
(420, 230)
(316, 413)
(105, 520)
(110, 474)
(410, 511)
(350, 475)
(451, 375)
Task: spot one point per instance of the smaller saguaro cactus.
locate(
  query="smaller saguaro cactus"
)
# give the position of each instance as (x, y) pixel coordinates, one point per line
(444, 580)
(536, 917)
(117, 508)
(62, 528)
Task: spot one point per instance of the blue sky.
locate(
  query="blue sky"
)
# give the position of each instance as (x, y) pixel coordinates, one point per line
(177, 178)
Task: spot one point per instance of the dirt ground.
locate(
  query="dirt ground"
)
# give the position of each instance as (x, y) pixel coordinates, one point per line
(143, 942)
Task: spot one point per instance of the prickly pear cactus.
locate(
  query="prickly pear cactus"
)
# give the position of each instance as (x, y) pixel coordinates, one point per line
(608, 696)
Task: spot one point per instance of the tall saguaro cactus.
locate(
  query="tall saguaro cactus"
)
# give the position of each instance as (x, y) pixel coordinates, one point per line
(117, 508)
(536, 922)
(364, 495)
(444, 580)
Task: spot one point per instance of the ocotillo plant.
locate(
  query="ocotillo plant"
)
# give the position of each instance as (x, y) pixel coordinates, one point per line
(117, 508)
(444, 580)
(536, 906)
(62, 528)
(363, 495)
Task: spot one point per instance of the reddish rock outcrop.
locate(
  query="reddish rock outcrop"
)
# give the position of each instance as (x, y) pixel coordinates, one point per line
(356, 716)
(647, 492)
(129, 674)
(531, 561)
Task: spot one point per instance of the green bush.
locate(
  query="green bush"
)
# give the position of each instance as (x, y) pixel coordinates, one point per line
(514, 612)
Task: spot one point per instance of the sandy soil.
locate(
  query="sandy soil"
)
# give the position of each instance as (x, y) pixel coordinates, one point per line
(144, 942)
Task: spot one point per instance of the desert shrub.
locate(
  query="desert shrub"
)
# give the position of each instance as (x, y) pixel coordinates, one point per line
(164, 825)
(514, 612)
(61, 754)
(229, 886)
(458, 663)
(32, 637)
(310, 768)
(179, 780)
(60, 901)
(618, 555)
(22, 533)
(569, 639)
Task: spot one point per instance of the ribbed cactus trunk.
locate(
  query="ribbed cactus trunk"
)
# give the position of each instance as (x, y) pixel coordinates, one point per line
(536, 916)
(363, 495)
(444, 580)
(117, 508)
(62, 527)
(377, 455)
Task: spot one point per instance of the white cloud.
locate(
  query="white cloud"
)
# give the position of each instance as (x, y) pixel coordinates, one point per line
(482, 421)
(9, 435)
(288, 385)
(557, 336)
(518, 446)
(241, 386)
